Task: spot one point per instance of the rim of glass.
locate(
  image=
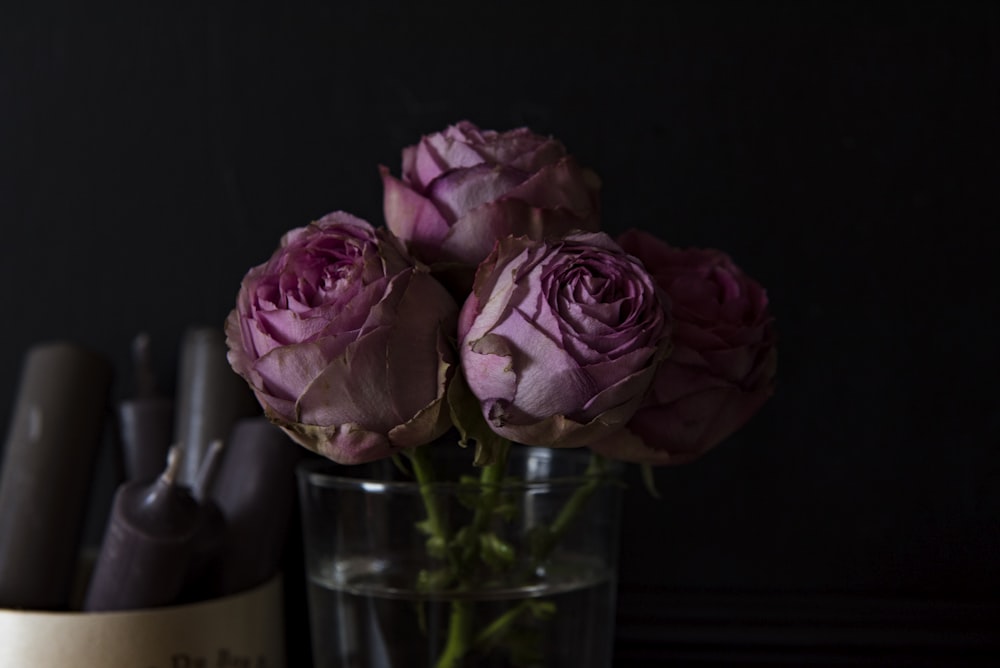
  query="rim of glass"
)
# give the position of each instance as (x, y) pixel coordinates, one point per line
(320, 472)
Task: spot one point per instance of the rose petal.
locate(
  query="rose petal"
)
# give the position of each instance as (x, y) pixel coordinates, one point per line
(347, 444)
(410, 216)
(461, 190)
(564, 185)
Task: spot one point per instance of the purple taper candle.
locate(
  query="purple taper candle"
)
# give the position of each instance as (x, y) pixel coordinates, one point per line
(204, 578)
(146, 420)
(210, 397)
(52, 444)
(255, 488)
(148, 543)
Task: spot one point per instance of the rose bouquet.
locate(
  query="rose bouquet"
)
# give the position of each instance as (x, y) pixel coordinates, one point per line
(492, 314)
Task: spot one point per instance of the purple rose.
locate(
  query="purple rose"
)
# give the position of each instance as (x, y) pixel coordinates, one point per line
(464, 188)
(559, 339)
(722, 367)
(344, 341)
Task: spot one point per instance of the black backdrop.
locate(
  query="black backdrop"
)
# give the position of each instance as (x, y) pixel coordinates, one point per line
(844, 155)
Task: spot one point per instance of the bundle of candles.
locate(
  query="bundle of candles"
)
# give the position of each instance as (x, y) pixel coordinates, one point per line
(204, 502)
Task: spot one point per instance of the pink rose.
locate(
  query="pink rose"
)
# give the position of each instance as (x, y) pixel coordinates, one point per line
(722, 367)
(344, 341)
(464, 188)
(559, 339)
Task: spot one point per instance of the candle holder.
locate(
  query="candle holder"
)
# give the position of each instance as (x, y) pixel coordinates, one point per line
(245, 629)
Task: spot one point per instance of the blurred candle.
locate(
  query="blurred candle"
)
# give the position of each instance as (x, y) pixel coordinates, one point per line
(210, 397)
(255, 488)
(52, 444)
(148, 543)
(147, 420)
(204, 578)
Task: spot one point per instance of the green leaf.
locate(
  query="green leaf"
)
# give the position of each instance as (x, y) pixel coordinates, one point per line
(495, 551)
(542, 610)
(434, 581)
(436, 547)
(463, 538)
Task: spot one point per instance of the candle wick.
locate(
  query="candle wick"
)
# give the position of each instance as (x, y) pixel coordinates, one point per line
(142, 359)
(169, 474)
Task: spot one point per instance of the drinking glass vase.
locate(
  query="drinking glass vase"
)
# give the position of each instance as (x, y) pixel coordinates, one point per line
(454, 571)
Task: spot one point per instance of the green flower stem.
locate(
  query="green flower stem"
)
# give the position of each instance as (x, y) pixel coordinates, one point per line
(459, 635)
(460, 623)
(423, 469)
(489, 478)
(499, 626)
(569, 512)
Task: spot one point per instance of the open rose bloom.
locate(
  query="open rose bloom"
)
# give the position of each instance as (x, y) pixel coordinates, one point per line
(560, 339)
(344, 341)
(722, 367)
(464, 188)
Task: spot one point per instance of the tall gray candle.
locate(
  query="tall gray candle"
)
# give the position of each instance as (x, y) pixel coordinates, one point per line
(210, 397)
(52, 443)
(255, 488)
(146, 420)
(148, 544)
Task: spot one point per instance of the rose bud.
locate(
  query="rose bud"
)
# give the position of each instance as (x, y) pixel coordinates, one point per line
(722, 367)
(464, 188)
(344, 341)
(560, 339)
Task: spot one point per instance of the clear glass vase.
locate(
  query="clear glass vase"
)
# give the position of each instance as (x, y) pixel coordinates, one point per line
(456, 571)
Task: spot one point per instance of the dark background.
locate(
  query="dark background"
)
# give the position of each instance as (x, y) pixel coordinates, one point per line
(845, 156)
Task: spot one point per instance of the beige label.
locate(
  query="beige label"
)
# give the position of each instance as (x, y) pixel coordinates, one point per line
(241, 631)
